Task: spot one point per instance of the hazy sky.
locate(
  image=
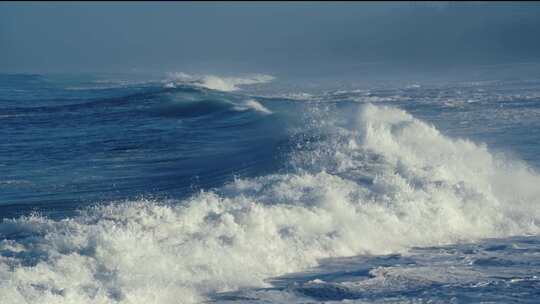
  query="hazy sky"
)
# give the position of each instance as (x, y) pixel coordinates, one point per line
(297, 38)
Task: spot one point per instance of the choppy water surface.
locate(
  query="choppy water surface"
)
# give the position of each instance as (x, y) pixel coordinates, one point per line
(197, 189)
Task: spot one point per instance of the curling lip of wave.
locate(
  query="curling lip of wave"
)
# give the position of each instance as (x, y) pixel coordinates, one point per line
(174, 108)
(252, 104)
(194, 108)
(213, 82)
(422, 189)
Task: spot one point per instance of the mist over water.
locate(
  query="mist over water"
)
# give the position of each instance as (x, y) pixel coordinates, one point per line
(299, 40)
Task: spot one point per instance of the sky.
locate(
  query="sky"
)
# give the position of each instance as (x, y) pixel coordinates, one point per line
(296, 38)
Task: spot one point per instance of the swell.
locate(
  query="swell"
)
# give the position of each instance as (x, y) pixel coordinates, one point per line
(381, 183)
(74, 104)
(160, 142)
(181, 101)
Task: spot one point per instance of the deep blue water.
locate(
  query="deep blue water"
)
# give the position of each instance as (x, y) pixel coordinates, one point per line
(66, 146)
(179, 190)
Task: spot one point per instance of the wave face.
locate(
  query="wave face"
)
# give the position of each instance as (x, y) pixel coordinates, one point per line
(338, 179)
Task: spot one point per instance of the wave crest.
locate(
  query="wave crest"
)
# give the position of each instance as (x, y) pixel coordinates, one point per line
(213, 82)
(252, 104)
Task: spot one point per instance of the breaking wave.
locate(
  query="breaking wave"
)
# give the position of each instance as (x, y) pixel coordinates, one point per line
(383, 184)
(213, 82)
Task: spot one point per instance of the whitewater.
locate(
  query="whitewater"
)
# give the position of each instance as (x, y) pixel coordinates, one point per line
(391, 195)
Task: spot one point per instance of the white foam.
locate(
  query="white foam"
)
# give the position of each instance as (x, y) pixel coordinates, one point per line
(413, 86)
(226, 84)
(389, 183)
(252, 104)
(169, 85)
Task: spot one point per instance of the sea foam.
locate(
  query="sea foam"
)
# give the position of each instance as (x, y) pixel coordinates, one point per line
(386, 184)
(213, 82)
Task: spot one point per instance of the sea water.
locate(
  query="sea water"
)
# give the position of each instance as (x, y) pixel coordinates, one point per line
(185, 189)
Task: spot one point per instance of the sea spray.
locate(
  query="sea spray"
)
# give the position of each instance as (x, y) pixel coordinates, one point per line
(386, 184)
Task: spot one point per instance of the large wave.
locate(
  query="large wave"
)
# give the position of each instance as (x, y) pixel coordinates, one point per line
(385, 184)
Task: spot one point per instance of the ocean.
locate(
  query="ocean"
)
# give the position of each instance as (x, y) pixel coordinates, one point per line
(207, 189)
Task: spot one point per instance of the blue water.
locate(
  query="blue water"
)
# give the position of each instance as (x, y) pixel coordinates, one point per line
(181, 189)
(66, 146)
